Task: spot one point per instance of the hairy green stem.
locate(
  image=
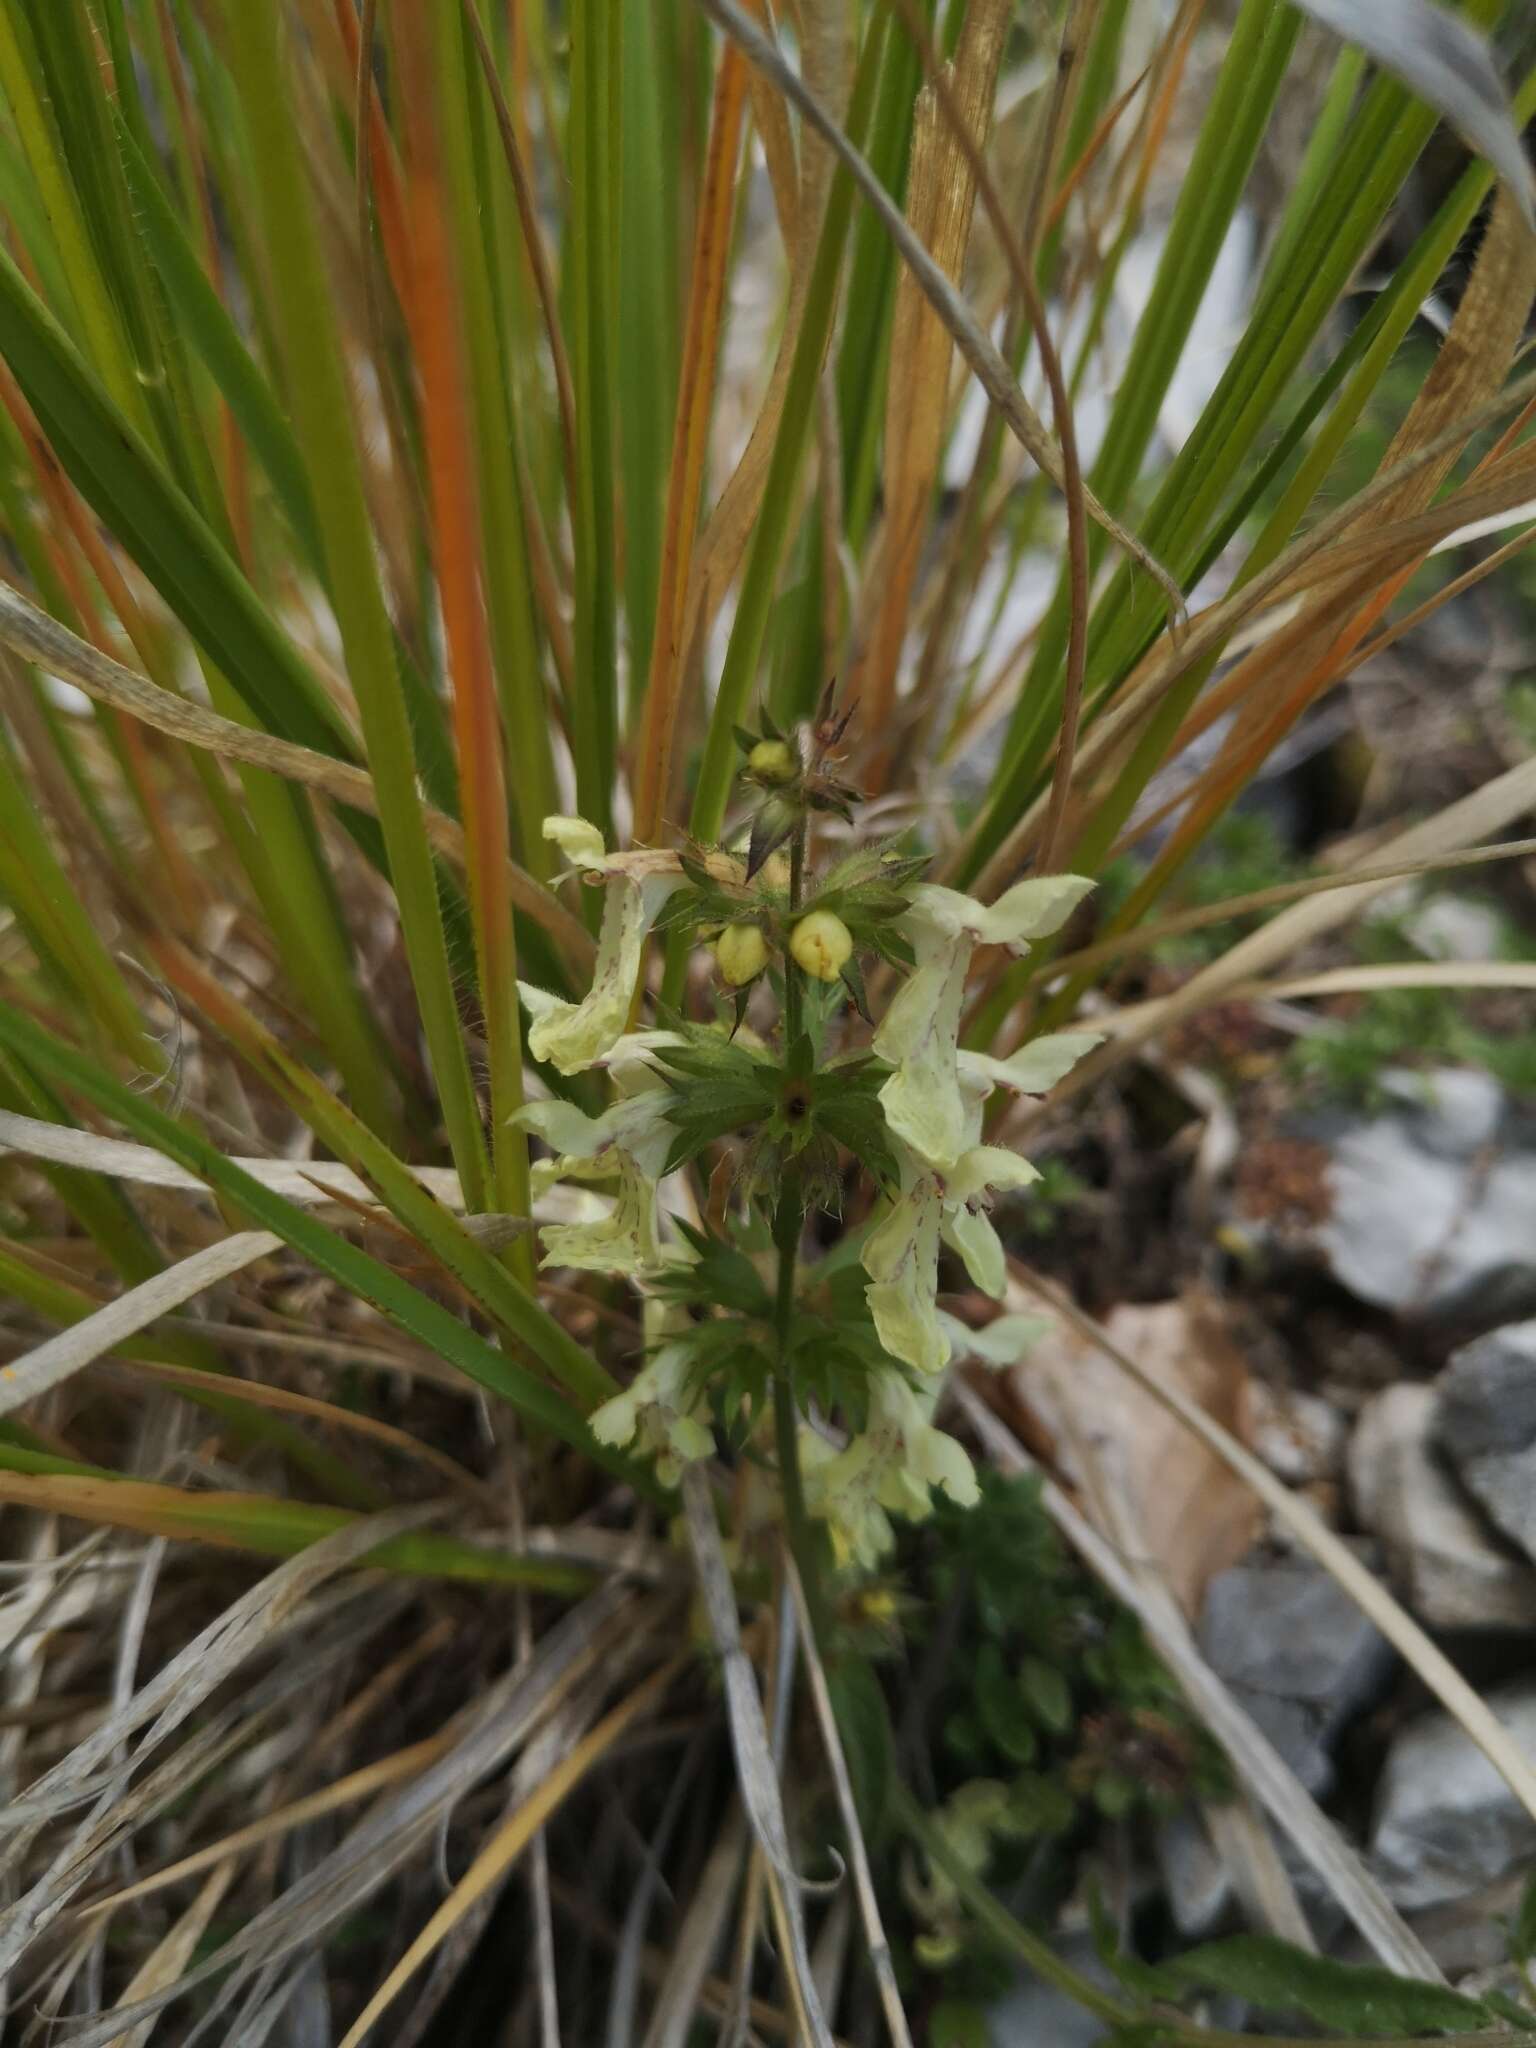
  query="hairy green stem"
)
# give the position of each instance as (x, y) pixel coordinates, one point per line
(788, 1224)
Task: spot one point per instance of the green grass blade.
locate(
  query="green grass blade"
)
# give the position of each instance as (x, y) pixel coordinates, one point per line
(34, 883)
(406, 1306)
(321, 406)
(213, 334)
(479, 205)
(497, 1291)
(262, 1524)
(647, 366)
(759, 579)
(589, 243)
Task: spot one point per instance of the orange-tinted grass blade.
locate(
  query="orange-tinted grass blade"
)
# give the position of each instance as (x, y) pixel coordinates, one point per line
(690, 442)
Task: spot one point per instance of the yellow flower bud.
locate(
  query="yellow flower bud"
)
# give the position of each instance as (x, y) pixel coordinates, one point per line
(822, 945)
(773, 761)
(741, 954)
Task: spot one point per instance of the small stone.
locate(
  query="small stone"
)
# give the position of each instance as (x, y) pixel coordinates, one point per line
(1450, 1566)
(1297, 1652)
(1433, 1203)
(1455, 928)
(1034, 2011)
(1299, 1436)
(1195, 1875)
(1486, 1425)
(1446, 1823)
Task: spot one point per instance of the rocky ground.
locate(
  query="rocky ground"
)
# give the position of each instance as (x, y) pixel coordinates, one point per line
(1347, 1279)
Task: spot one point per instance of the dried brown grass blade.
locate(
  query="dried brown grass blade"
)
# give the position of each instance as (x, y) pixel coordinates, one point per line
(287, 1402)
(696, 1941)
(49, 1364)
(510, 1839)
(690, 444)
(754, 1759)
(164, 1704)
(718, 554)
(356, 1785)
(1144, 936)
(307, 1181)
(1467, 821)
(991, 371)
(1313, 557)
(396, 1828)
(877, 1948)
(163, 1966)
(1273, 688)
(941, 201)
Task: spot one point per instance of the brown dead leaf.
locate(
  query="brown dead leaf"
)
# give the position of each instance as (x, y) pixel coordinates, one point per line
(1146, 1479)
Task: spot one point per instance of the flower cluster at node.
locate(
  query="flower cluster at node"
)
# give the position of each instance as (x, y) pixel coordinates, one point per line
(779, 1128)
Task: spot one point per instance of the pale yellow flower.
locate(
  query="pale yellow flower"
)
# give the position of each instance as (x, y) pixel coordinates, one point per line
(659, 1414)
(920, 1033)
(901, 1254)
(574, 1036)
(628, 1143)
(891, 1468)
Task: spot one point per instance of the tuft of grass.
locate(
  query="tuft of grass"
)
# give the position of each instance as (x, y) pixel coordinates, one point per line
(417, 422)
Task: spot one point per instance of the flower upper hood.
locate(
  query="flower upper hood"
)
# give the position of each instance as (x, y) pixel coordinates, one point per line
(920, 1034)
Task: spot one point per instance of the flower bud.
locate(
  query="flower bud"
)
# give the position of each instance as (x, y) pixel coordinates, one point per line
(741, 954)
(822, 945)
(773, 761)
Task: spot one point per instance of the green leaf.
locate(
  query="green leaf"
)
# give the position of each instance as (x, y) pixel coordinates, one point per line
(1050, 1697)
(864, 1724)
(1001, 1708)
(1114, 1794)
(952, 2024)
(721, 1276)
(1357, 1999)
(1522, 1931)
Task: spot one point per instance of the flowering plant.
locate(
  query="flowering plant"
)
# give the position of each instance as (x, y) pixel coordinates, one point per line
(851, 1346)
